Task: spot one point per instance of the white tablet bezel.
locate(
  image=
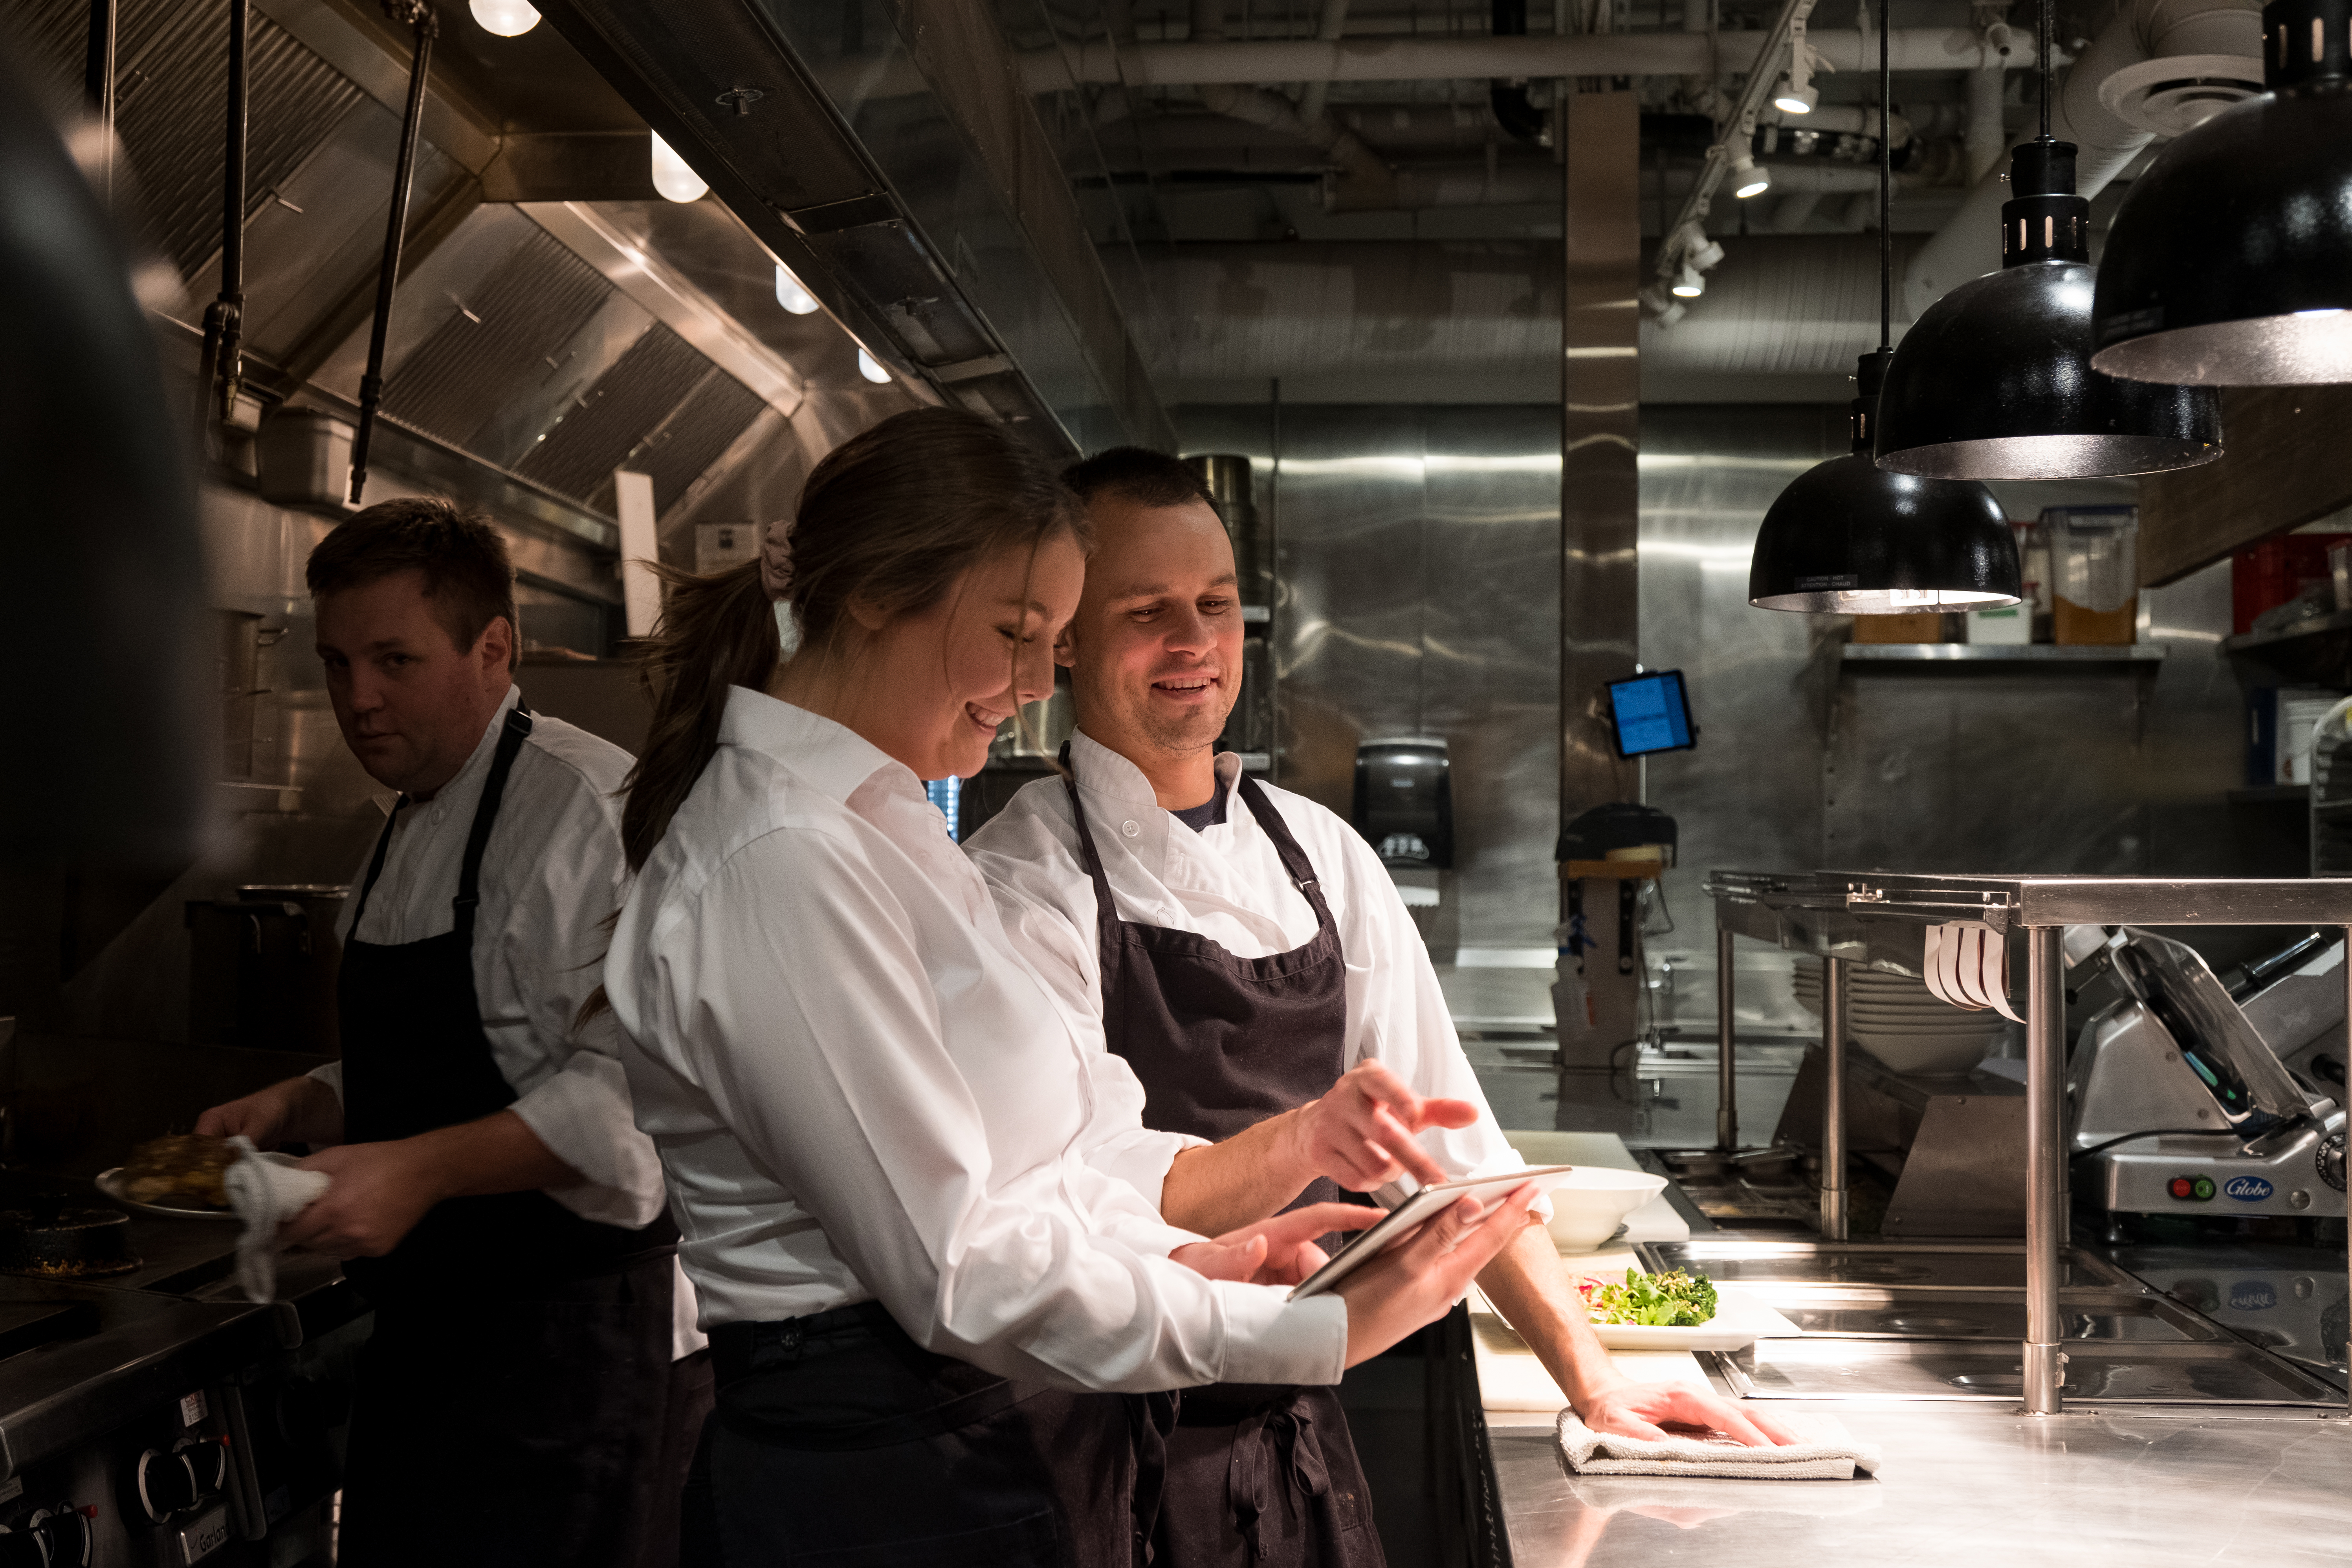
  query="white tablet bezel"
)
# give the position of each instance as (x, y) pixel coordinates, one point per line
(1397, 1225)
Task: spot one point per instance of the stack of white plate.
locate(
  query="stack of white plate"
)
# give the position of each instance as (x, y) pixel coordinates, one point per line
(1895, 1019)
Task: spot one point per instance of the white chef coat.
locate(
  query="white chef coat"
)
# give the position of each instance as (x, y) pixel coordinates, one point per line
(860, 1091)
(552, 872)
(1227, 883)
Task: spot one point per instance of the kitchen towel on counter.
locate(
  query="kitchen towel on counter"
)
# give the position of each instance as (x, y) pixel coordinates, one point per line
(265, 1191)
(1827, 1453)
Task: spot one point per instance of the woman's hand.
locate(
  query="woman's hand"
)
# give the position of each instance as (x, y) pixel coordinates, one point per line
(1277, 1251)
(1418, 1282)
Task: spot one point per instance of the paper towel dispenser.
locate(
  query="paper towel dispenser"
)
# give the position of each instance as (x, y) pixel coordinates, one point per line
(1405, 801)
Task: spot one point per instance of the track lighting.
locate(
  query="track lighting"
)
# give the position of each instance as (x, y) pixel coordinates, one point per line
(1749, 178)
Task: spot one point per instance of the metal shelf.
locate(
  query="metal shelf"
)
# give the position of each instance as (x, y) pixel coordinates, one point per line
(2316, 652)
(2002, 653)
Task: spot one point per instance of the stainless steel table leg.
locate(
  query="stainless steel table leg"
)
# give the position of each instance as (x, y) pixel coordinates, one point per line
(2045, 1167)
(1834, 1100)
(1726, 1090)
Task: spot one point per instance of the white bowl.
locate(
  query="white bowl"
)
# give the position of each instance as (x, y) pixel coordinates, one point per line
(1587, 1209)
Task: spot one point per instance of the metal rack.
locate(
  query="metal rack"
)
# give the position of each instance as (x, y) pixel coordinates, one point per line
(1880, 920)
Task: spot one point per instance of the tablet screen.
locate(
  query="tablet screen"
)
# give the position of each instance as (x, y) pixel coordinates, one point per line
(1400, 1222)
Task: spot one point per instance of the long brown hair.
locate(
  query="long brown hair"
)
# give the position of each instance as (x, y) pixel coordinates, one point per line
(890, 519)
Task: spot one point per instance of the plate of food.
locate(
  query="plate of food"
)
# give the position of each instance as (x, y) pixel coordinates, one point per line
(1675, 1312)
(180, 1176)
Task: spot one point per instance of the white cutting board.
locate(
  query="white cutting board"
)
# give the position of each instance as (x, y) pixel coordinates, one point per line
(1653, 1221)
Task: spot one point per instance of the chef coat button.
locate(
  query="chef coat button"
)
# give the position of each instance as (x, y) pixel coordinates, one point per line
(1130, 829)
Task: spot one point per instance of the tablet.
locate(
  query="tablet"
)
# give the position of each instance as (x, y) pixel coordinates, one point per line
(1397, 1225)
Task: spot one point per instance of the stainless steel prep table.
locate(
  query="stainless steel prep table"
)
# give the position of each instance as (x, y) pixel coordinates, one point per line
(1880, 918)
(1965, 1485)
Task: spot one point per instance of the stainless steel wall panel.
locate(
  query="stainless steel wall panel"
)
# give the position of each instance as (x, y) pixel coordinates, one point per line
(1418, 564)
(1491, 660)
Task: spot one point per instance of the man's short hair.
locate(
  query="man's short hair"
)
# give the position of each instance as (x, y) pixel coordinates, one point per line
(468, 575)
(1137, 475)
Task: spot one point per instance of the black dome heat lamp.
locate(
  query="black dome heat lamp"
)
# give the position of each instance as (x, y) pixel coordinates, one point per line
(1994, 381)
(2231, 261)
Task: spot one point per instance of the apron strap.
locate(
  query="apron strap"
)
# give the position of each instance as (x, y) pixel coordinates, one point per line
(375, 866)
(485, 816)
(1294, 859)
(1106, 908)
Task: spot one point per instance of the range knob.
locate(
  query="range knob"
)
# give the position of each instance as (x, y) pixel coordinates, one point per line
(163, 1483)
(65, 1534)
(207, 1462)
(48, 1538)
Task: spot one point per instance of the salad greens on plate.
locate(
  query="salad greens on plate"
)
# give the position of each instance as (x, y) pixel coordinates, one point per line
(1670, 1301)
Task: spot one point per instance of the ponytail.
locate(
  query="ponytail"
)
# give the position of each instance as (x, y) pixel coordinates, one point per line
(715, 632)
(892, 518)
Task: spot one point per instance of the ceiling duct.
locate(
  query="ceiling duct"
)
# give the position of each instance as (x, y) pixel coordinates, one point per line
(888, 223)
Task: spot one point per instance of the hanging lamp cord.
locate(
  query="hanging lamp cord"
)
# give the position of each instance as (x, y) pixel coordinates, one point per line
(2042, 66)
(1885, 182)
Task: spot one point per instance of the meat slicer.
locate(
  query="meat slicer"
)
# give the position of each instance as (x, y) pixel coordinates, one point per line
(2193, 1096)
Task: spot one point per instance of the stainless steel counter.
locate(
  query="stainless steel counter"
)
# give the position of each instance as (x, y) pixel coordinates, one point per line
(1964, 1485)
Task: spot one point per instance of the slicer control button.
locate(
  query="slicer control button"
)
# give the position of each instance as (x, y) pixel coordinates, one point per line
(2191, 1189)
(2181, 1186)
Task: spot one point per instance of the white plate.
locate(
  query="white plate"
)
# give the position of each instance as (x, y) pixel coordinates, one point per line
(110, 1183)
(1739, 1321)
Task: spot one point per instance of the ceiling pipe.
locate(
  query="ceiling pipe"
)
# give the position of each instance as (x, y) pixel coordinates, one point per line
(1360, 170)
(1413, 187)
(1333, 22)
(1988, 137)
(1969, 245)
(1403, 58)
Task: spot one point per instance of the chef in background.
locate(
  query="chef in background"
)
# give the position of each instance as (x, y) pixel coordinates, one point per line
(1246, 952)
(491, 1193)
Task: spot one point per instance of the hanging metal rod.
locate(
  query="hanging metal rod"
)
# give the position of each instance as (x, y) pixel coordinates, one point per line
(220, 373)
(417, 15)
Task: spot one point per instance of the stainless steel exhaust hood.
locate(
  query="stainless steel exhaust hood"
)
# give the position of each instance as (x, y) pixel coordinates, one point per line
(938, 227)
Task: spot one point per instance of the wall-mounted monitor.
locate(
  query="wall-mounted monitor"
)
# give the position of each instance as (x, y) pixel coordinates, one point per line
(1650, 712)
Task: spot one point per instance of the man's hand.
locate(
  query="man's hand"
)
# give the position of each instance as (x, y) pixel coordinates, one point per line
(378, 1194)
(1361, 1132)
(1643, 1409)
(292, 1110)
(1277, 1251)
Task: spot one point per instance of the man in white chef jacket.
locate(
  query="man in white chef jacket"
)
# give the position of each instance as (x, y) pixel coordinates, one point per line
(490, 1192)
(1245, 948)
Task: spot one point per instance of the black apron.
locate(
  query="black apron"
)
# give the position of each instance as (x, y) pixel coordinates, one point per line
(1256, 1473)
(514, 1402)
(838, 1439)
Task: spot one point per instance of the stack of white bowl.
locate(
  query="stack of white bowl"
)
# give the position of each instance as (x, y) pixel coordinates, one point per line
(1900, 1022)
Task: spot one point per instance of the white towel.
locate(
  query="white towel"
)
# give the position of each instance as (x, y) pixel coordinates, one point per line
(265, 1191)
(1828, 1453)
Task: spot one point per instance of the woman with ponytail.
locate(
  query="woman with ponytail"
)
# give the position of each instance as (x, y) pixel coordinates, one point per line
(934, 1323)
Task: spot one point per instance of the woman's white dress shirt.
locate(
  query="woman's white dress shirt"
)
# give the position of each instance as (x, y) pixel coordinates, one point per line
(553, 873)
(1227, 883)
(859, 1090)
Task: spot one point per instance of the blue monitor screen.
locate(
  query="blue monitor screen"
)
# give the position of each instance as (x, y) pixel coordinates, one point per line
(1652, 713)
